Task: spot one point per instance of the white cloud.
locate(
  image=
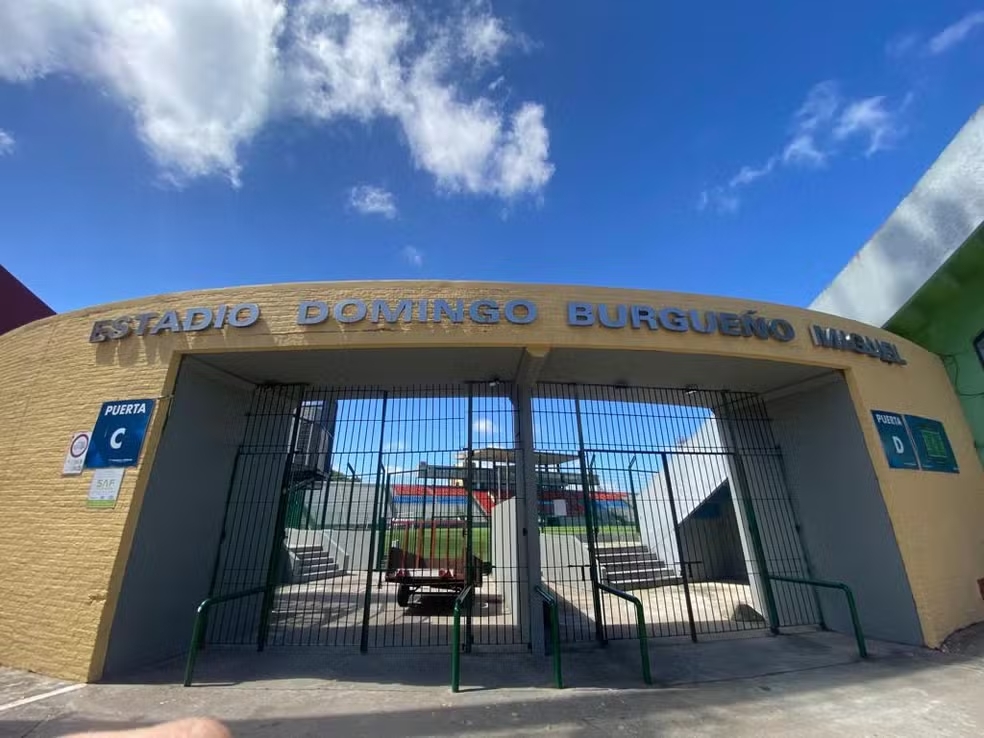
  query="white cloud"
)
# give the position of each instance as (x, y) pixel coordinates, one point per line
(747, 175)
(819, 108)
(7, 143)
(902, 45)
(366, 60)
(483, 427)
(412, 255)
(720, 199)
(871, 119)
(197, 76)
(803, 150)
(819, 129)
(370, 200)
(483, 37)
(201, 78)
(956, 33)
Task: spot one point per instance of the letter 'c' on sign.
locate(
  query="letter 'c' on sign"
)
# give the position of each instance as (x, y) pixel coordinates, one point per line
(114, 440)
(899, 446)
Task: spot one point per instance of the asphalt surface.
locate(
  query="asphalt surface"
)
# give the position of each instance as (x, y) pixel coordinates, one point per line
(807, 684)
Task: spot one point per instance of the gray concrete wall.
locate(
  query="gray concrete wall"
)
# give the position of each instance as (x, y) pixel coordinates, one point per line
(846, 528)
(505, 545)
(759, 491)
(250, 523)
(170, 565)
(342, 504)
(715, 542)
(694, 477)
(558, 552)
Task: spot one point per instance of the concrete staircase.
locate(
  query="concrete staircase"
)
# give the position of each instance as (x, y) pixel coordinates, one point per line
(633, 566)
(310, 563)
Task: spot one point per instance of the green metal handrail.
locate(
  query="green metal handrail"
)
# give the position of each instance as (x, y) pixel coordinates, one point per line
(456, 637)
(554, 632)
(647, 676)
(198, 631)
(855, 620)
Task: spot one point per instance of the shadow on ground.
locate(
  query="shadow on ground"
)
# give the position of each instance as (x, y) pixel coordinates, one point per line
(617, 665)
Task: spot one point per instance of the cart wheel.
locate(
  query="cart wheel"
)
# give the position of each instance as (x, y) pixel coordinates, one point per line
(403, 595)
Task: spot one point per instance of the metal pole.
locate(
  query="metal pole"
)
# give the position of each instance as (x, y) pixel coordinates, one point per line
(278, 532)
(589, 523)
(594, 498)
(632, 494)
(348, 514)
(470, 519)
(684, 574)
(753, 529)
(423, 525)
(383, 521)
(367, 600)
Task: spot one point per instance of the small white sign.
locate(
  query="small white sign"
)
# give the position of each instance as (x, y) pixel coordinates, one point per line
(75, 456)
(560, 508)
(105, 487)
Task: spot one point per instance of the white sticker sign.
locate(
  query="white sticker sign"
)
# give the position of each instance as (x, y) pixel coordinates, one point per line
(105, 487)
(75, 456)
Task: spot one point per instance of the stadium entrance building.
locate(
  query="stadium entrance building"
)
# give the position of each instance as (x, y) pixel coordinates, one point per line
(337, 462)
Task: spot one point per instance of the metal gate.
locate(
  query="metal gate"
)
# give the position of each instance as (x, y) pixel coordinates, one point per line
(358, 514)
(675, 496)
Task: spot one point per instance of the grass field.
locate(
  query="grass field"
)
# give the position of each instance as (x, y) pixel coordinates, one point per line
(448, 543)
(617, 532)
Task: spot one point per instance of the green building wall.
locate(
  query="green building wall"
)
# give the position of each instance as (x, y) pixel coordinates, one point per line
(945, 317)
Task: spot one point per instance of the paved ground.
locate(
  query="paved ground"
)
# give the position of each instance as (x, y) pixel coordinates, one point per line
(807, 684)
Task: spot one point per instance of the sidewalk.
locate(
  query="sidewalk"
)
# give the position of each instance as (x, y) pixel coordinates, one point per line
(812, 685)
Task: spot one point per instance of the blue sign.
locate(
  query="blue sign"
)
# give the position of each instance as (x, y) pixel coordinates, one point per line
(119, 433)
(895, 440)
(932, 445)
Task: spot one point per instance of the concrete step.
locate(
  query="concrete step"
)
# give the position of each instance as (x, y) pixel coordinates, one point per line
(305, 550)
(614, 555)
(648, 582)
(653, 571)
(313, 565)
(314, 557)
(317, 568)
(315, 576)
(619, 546)
(633, 564)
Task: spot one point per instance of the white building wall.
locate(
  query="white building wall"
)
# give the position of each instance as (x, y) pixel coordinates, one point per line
(934, 220)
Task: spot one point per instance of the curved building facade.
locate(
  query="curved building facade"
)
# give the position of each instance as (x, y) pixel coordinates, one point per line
(346, 449)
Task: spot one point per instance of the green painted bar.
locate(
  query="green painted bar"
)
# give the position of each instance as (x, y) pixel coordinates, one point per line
(647, 676)
(198, 631)
(456, 638)
(554, 633)
(851, 605)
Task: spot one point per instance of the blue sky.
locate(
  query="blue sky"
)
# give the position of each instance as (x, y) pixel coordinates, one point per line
(744, 149)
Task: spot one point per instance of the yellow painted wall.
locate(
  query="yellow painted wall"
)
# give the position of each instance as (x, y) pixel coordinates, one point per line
(63, 563)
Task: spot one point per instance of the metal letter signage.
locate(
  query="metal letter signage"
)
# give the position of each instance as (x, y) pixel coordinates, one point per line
(837, 339)
(119, 433)
(746, 325)
(192, 320)
(895, 440)
(356, 311)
